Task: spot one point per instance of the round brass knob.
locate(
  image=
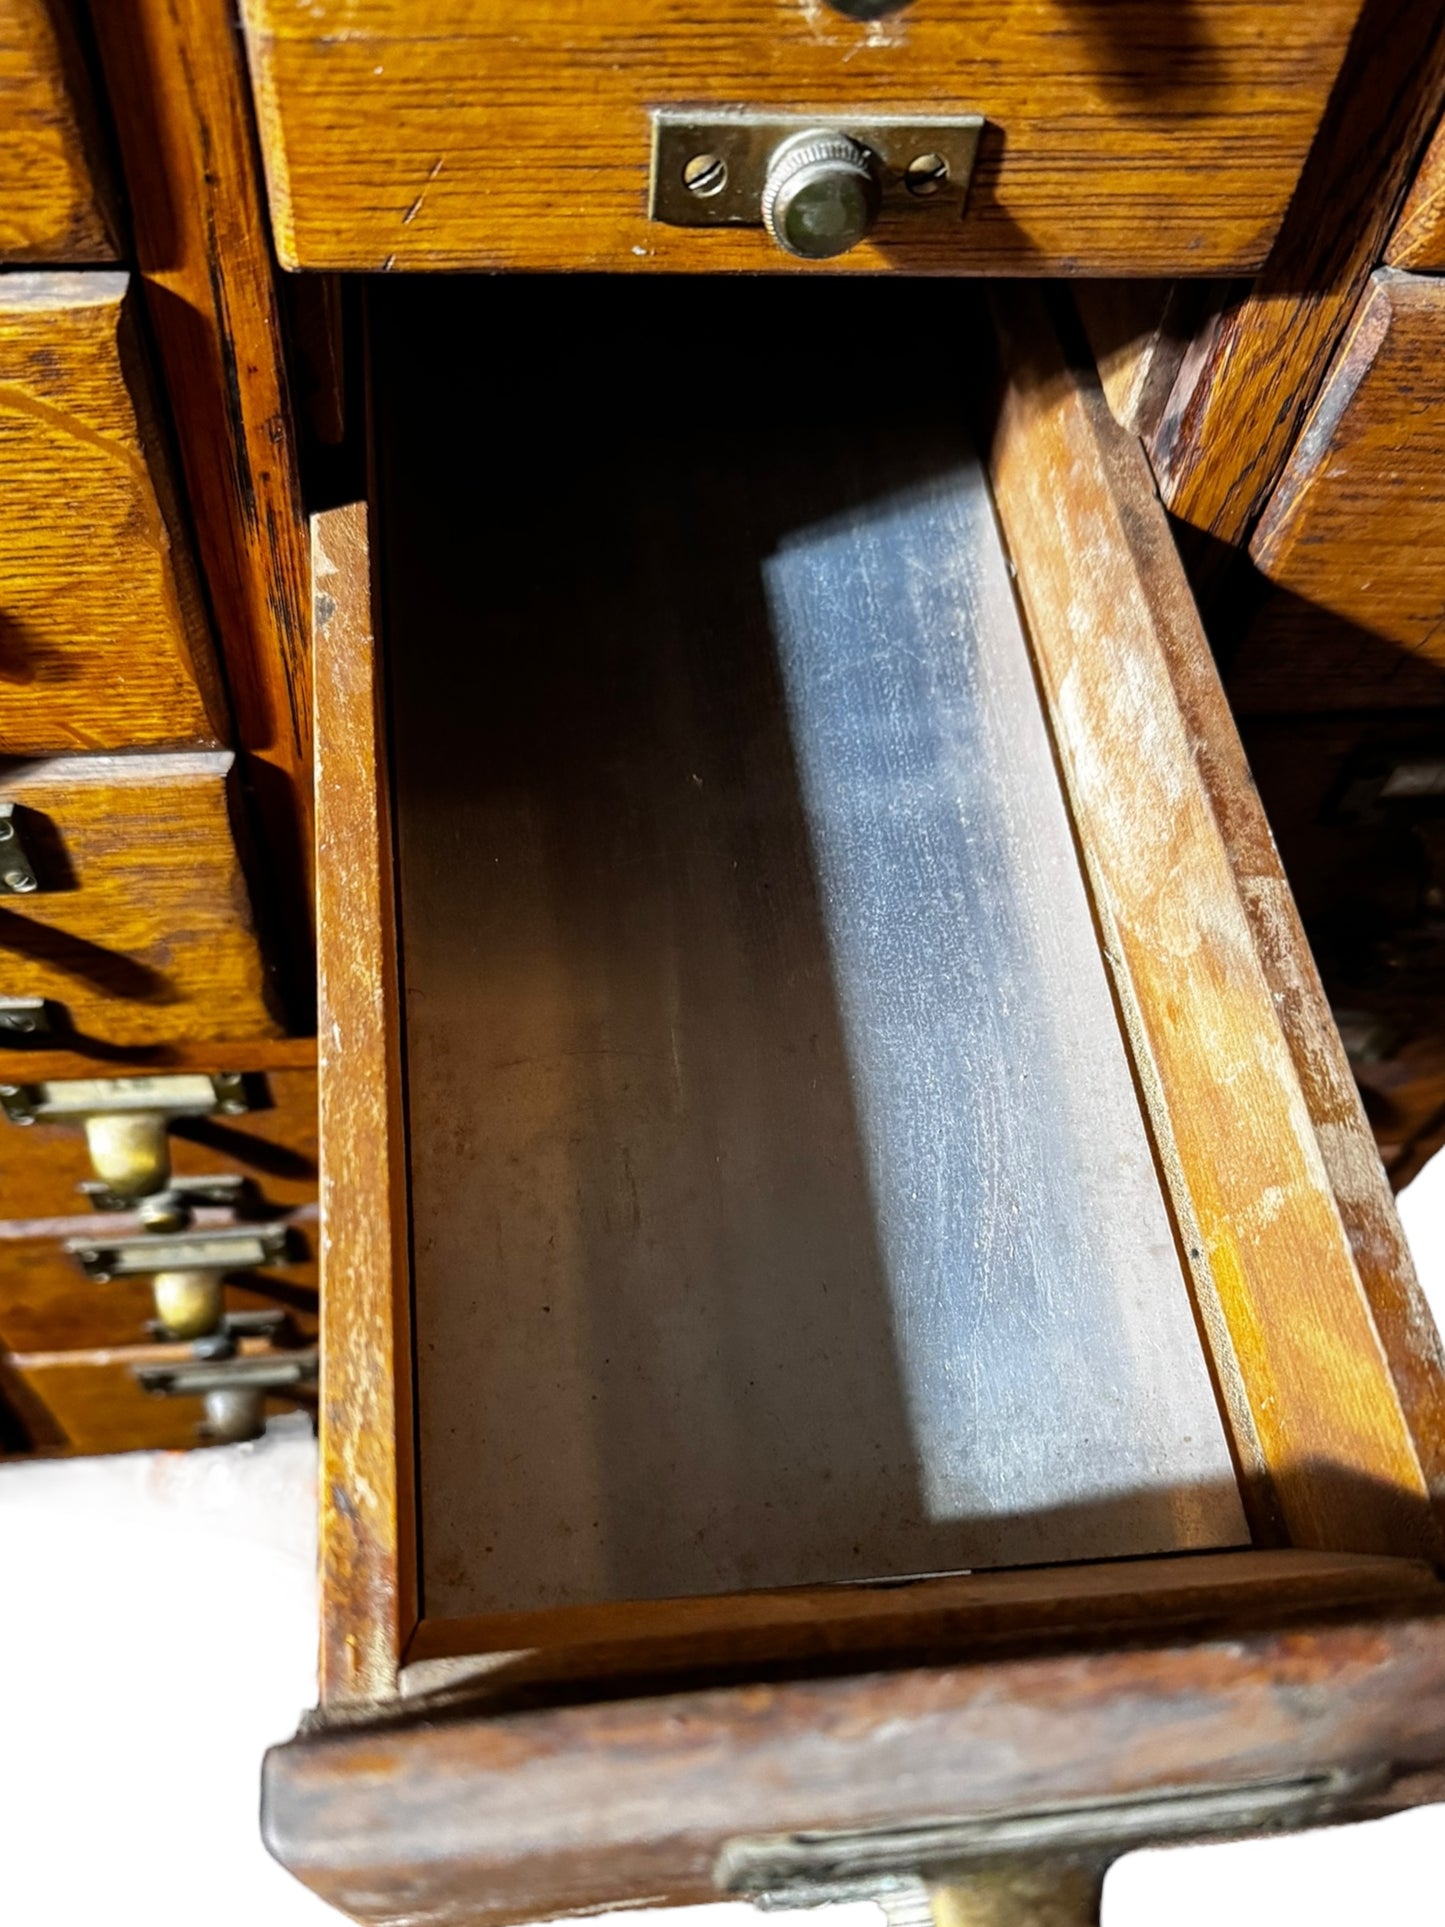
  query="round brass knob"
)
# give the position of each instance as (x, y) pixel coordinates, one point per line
(821, 194)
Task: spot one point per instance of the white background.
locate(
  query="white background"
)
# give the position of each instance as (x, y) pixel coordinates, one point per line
(157, 1626)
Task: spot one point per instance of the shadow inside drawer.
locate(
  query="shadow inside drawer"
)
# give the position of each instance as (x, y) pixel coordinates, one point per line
(782, 1207)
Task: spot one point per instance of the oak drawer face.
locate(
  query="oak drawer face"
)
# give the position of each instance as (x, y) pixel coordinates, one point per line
(1145, 137)
(48, 1304)
(97, 1404)
(272, 1145)
(140, 929)
(1355, 529)
(56, 205)
(103, 637)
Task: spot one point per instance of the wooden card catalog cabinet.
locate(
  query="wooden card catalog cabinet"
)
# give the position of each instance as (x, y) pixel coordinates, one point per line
(865, 1342)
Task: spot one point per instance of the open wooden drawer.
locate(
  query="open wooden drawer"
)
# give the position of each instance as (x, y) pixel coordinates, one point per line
(864, 1335)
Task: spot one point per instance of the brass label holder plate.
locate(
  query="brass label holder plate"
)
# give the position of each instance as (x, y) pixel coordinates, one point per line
(739, 142)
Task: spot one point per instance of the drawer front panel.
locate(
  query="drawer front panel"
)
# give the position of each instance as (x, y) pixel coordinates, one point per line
(273, 1145)
(48, 1304)
(141, 928)
(1355, 531)
(103, 640)
(1139, 137)
(94, 1399)
(55, 203)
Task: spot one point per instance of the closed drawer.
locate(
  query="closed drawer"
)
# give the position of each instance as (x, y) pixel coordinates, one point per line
(56, 205)
(1354, 535)
(48, 1304)
(103, 637)
(871, 1142)
(140, 930)
(1147, 139)
(272, 1145)
(95, 1402)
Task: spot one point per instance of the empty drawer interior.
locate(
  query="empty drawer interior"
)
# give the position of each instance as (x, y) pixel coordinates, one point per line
(783, 1210)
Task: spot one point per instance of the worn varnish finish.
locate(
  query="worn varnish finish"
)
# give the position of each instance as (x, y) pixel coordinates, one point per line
(142, 928)
(56, 204)
(103, 637)
(274, 1145)
(1356, 527)
(1317, 1416)
(528, 1811)
(178, 94)
(1140, 137)
(368, 1549)
(98, 1406)
(808, 1625)
(1250, 377)
(48, 1304)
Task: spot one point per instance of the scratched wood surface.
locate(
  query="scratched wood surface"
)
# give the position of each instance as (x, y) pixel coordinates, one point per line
(1134, 138)
(48, 1304)
(368, 1546)
(142, 930)
(103, 636)
(1252, 373)
(273, 1145)
(1320, 1425)
(516, 1811)
(176, 83)
(94, 1399)
(57, 205)
(1355, 531)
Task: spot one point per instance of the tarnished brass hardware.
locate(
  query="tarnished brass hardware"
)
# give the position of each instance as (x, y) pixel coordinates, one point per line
(125, 1120)
(975, 1871)
(129, 1151)
(17, 872)
(174, 1208)
(22, 1018)
(188, 1303)
(223, 1340)
(179, 1094)
(815, 181)
(234, 1389)
(241, 1247)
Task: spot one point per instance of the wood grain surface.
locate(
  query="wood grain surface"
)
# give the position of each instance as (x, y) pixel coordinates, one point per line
(961, 1614)
(34, 1059)
(142, 929)
(94, 1399)
(103, 637)
(1141, 137)
(274, 1145)
(527, 1810)
(1249, 379)
(1356, 528)
(57, 205)
(368, 1547)
(178, 94)
(1419, 238)
(48, 1304)
(1317, 1417)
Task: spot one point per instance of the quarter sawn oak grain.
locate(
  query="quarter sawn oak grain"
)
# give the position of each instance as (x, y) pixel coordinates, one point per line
(1137, 137)
(103, 637)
